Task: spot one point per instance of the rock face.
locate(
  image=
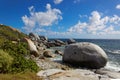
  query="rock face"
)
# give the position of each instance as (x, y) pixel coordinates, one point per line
(85, 54)
(77, 74)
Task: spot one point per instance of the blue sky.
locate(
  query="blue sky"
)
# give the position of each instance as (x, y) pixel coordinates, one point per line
(63, 18)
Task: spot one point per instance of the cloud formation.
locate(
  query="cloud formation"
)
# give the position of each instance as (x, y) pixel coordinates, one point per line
(98, 25)
(41, 19)
(77, 28)
(57, 1)
(118, 6)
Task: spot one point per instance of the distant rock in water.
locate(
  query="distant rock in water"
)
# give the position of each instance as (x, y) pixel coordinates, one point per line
(70, 41)
(32, 47)
(85, 54)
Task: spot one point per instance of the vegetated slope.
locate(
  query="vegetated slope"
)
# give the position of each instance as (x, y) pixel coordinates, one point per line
(12, 46)
(10, 33)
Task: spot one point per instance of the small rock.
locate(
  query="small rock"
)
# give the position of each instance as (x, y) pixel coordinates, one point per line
(110, 74)
(58, 52)
(49, 72)
(48, 53)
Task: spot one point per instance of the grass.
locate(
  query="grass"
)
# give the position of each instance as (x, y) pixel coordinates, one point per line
(20, 76)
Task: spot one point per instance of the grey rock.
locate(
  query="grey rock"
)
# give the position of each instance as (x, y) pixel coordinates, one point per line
(70, 41)
(33, 37)
(43, 38)
(110, 74)
(58, 52)
(85, 54)
(48, 53)
(59, 42)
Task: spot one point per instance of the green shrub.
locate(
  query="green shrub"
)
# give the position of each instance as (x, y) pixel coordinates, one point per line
(21, 64)
(19, 51)
(14, 50)
(20, 48)
(5, 61)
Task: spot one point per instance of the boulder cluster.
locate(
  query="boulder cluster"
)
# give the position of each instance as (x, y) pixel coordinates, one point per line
(82, 54)
(39, 45)
(76, 54)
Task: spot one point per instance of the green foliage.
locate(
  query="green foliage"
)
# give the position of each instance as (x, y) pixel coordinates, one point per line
(18, 51)
(21, 64)
(20, 48)
(5, 61)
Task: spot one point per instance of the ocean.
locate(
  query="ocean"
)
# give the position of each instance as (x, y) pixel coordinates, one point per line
(110, 46)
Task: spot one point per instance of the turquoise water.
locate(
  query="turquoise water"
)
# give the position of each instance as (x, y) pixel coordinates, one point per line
(110, 46)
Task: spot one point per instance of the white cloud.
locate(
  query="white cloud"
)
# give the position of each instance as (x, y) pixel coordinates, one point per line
(78, 28)
(97, 25)
(57, 1)
(41, 19)
(118, 6)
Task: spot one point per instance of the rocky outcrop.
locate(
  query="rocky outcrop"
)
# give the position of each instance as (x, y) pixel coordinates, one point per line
(85, 55)
(54, 43)
(59, 42)
(33, 37)
(42, 40)
(32, 47)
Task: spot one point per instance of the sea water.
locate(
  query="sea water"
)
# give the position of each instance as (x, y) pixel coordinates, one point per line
(110, 46)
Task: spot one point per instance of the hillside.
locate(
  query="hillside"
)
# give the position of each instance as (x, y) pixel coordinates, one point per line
(9, 33)
(13, 51)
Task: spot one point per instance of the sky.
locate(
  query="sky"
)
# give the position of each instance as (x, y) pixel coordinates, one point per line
(91, 19)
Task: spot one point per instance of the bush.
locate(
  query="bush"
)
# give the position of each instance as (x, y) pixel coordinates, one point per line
(5, 61)
(21, 64)
(18, 51)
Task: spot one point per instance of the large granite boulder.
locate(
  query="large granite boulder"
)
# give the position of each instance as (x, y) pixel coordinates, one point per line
(85, 54)
(32, 47)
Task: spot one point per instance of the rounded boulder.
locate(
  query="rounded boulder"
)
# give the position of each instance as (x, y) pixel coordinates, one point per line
(85, 54)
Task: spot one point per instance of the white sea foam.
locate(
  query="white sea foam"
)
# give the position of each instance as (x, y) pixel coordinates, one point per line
(113, 66)
(114, 51)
